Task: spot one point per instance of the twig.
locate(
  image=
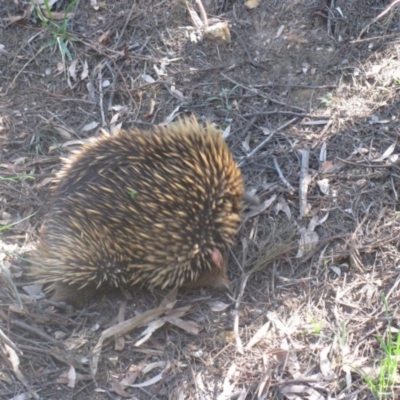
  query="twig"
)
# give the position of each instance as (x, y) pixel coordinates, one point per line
(264, 142)
(128, 18)
(22, 69)
(9, 342)
(283, 179)
(264, 96)
(356, 164)
(12, 361)
(103, 118)
(238, 300)
(329, 22)
(34, 330)
(383, 13)
(304, 182)
(394, 189)
(202, 12)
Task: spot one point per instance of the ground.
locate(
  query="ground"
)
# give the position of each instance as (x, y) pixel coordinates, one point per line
(306, 93)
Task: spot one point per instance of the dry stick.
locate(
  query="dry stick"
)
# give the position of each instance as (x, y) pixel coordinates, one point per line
(304, 182)
(264, 142)
(9, 342)
(384, 12)
(202, 12)
(22, 69)
(283, 179)
(103, 119)
(128, 18)
(394, 189)
(264, 96)
(32, 329)
(125, 327)
(13, 365)
(329, 23)
(238, 301)
(239, 343)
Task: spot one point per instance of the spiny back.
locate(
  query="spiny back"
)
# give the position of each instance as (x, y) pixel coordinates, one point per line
(158, 208)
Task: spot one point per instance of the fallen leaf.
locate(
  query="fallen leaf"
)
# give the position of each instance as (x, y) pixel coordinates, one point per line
(12, 356)
(323, 185)
(188, 326)
(150, 382)
(171, 116)
(148, 368)
(387, 153)
(94, 4)
(264, 385)
(260, 208)
(178, 94)
(258, 335)
(85, 71)
(151, 111)
(308, 241)
(90, 126)
(32, 290)
(72, 70)
(151, 327)
(250, 4)
(226, 132)
(118, 388)
(71, 377)
(282, 205)
(324, 363)
(148, 78)
(217, 306)
(64, 132)
(129, 378)
(229, 383)
(280, 30)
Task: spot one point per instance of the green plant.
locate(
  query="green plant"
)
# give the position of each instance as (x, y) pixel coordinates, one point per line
(58, 29)
(5, 227)
(316, 325)
(16, 178)
(327, 99)
(223, 97)
(382, 383)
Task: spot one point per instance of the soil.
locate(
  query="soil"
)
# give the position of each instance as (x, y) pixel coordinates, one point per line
(307, 95)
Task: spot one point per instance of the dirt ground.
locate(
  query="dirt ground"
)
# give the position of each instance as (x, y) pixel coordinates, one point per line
(307, 95)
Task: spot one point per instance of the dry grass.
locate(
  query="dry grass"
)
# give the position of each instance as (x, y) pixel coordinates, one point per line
(312, 110)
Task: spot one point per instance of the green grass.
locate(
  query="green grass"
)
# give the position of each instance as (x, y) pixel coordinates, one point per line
(5, 227)
(382, 384)
(58, 29)
(16, 178)
(223, 98)
(327, 99)
(316, 326)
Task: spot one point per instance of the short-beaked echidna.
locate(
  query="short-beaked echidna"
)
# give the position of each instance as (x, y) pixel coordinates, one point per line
(158, 208)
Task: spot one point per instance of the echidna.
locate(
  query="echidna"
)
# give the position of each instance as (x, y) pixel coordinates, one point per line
(158, 208)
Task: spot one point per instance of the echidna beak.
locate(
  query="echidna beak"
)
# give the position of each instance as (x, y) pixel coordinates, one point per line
(221, 284)
(217, 258)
